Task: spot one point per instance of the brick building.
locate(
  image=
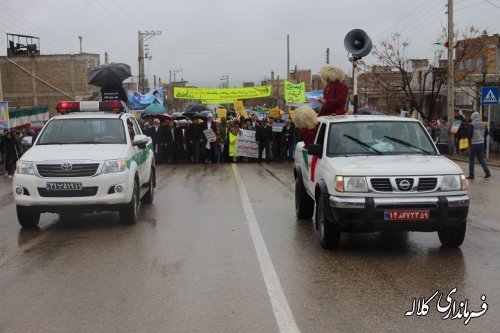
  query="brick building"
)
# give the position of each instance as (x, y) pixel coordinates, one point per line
(477, 58)
(33, 80)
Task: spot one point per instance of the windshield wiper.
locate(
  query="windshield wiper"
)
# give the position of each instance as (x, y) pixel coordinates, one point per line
(407, 144)
(361, 143)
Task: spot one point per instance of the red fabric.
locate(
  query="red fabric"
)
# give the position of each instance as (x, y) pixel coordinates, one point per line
(335, 95)
(313, 166)
(308, 135)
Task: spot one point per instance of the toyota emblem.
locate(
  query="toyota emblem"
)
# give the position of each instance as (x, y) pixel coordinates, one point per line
(66, 166)
(404, 185)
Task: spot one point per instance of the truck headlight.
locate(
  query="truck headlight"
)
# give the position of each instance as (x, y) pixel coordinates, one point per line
(26, 168)
(111, 166)
(453, 183)
(351, 184)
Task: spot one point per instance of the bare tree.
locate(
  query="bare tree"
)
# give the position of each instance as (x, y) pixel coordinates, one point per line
(420, 81)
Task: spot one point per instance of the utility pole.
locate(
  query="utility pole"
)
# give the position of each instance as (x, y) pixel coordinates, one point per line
(451, 76)
(176, 71)
(80, 37)
(1, 88)
(328, 56)
(288, 57)
(144, 36)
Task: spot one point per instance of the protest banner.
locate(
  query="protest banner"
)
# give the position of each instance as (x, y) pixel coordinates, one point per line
(455, 126)
(246, 145)
(4, 112)
(209, 134)
(222, 93)
(221, 113)
(295, 93)
(240, 109)
(274, 113)
(278, 127)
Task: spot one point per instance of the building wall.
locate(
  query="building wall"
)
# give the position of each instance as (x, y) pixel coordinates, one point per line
(67, 73)
(486, 48)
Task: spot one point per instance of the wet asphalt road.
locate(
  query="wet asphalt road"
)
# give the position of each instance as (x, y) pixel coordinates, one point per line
(202, 259)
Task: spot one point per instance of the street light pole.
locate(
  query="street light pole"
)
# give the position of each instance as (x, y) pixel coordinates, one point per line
(451, 76)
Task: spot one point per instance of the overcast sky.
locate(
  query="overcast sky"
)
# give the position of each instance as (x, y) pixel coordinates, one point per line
(243, 39)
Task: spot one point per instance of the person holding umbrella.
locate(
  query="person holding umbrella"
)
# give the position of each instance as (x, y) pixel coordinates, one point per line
(110, 77)
(114, 92)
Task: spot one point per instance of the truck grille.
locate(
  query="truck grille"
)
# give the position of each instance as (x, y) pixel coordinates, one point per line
(84, 192)
(406, 184)
(381, 184)
(67, 170)
(427, 184)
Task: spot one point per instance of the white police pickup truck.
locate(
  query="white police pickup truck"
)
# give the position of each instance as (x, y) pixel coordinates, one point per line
(372, 173)
(90, 157)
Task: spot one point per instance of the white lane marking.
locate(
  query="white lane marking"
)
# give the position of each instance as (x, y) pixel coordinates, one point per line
(282, 312)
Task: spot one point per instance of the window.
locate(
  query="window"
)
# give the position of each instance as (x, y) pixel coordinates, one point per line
(479, 64)
(83, 131)
(386, 137)
(468, 64)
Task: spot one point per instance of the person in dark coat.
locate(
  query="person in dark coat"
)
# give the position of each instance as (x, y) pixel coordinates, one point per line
(12, 151)
(208, 147)
(155, 133)
(335, 93)
(263, 137)
(196, 139)
(288, 137)
(170, 143)
(114, 92)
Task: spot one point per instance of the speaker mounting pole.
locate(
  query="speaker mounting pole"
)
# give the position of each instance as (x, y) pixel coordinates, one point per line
(359, 45)
(354, 61)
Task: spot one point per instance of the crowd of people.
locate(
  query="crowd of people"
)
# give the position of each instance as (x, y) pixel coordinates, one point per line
(184, 141)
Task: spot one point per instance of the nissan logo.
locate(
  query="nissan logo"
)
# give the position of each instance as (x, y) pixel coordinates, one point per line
(404, 185)
(66, 166)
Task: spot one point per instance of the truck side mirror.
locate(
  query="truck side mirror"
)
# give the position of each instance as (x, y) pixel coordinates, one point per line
(443, 148)
(315, 150)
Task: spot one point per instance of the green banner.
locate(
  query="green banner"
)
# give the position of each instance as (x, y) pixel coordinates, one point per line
(222, 93)
(295, 93)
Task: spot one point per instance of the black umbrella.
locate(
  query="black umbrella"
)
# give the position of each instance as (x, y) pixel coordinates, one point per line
(196, 108)
(178, 116)
(108, 75)
(190, 114)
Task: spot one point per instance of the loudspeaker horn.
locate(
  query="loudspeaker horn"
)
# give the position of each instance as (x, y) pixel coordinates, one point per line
(358, 43)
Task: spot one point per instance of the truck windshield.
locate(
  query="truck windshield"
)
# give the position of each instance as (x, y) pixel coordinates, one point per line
(83, 131)
(378, 138)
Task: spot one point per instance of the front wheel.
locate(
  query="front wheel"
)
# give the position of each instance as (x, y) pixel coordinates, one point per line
(452, 236)
(27, 217)
(128, 214)
(150, 194)
(304, 204)
(329, 233)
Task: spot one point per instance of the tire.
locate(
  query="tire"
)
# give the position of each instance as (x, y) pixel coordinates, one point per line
(129, 213)
(452, 236)
(304, 204)
(150, 194)
(329, 233)
(27, 217)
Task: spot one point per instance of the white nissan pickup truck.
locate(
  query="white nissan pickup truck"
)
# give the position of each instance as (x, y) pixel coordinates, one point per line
(90, 157)
(368, 173)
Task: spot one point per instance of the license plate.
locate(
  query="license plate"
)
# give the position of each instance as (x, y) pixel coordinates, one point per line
(51, 186)
(407, 215)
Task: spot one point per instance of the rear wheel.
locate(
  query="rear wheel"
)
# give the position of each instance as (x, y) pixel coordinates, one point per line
(150, 194)
(452, 236)
(304, 204)
(129, 213)
(329, 233)
(27, 217)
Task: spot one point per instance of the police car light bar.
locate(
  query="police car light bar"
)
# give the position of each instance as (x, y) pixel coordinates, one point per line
(90, 106)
